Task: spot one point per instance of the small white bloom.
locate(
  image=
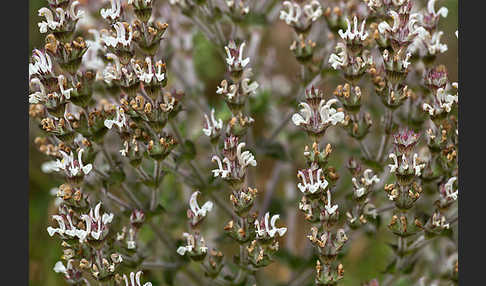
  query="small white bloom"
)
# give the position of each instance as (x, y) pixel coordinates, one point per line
(331, 209)
(60, 268)
(65, 92)
(292, 14)
(120, 38)
(384, 27)
(393, 167)
(245, 158)
(416, 166)
(269, 228)
(328, 113)
(199, 211)
(113, 12)
(120, 119)
(304, 115)
(212, 127)
(41, 63)
(135, 279)
(367, 180)
(340, 57)
(312, 186)
(449, 188)
(221, 171)
(234, 57)
(431, 9)
(353, 32)
(313, 10)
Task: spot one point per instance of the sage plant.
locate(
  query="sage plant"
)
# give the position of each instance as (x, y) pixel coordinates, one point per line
(177, 176)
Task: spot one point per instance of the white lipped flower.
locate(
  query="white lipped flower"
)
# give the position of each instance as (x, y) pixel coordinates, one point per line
(366, 182)
(330, 209)
(95, 224)
(120, 119)
(417, 166)
(191, 244)
(311, 186)
(60, 268)
(444, 101)
(313, 10)
(197, 211)
(65, 92)
(245, 158)
(385, 28)
(90, 58)
(135, 279)
(41, 63)
(431, 10)
(121, 36)
(292, 14)
(40, 95)
(212, 126)
(221, 171)
(353, 33)
(50, 22)
(264, 229)
(340, 57)
(68, 164)
(153, 74)
(63, 229)
(327, 114)
(234, 57)
(439, 220)
(113, 12)
(393, 167)
(449, 189)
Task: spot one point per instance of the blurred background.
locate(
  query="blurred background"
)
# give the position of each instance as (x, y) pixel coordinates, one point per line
(366, 256)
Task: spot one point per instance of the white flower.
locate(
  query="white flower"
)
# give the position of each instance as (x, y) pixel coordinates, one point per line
(50, 22)
(38, 96)
(199, 211)
(120, 38)
(416, 166)
(153, 73)
(113, 12)
(384, 27)
(191, 244)
(249, 88)
(450, 193)
(69, 165)
(120, 119)
(393, 167)
(313, 10)
(41, 63)
(60, 268)
(367, 180)
(329, 114)
(312, 186)
(245, 158)
(75, 15)
(135, 279)
(234, 57)
(359, 190)
(444, 101)
(65, 92)
(269, 229)
(431, 9)
(438, 220)
(340, 57)
(293, 13)
(353, 32)
(221, 171)
(98, 221)
(306, 111)
(331, 209)
(212, 127)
